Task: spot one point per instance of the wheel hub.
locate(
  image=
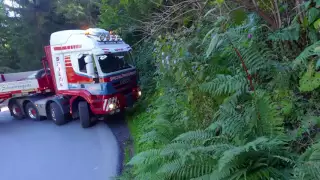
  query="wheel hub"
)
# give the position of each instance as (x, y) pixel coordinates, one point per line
(16, 110)
(53, 115)
(32, 113)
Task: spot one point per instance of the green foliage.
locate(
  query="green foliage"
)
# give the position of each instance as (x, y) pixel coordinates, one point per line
(310, 80)
(308, 164)
(208, 123)
(317, 24)
(26, 28)
(308, 52)
(291, 33)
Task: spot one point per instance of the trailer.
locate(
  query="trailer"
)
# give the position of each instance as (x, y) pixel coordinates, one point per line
(86, 75)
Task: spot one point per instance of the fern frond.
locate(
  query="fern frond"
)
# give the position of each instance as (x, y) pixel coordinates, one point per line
(311, 154)
(307, 171)
(225, 84)
(240, 33)
(172, 167)
(216, 174)
(149, 175)
(266, 118)
(145, 157)
(198, 135)
(281, 75)
(313, 50)
(216, 149)
(198, 166)
(258, 144)
(290, 33)
(309, 80)
(178, 147)
(285, 159)
(161, 123)
(153, 136)
(256, 59)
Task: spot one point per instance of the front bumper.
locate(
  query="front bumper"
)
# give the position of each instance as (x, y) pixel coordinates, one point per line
(110, 104)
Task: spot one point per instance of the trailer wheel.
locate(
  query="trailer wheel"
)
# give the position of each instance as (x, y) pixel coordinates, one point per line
(16, 111)
(56, 114)
(84, 114)
(32, 112)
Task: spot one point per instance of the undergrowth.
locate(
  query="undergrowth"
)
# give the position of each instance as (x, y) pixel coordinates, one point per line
(228, 100)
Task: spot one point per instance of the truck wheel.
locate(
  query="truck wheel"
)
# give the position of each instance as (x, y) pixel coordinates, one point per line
(32, 112)
(84, 114)
(56, 114)
(16, 111)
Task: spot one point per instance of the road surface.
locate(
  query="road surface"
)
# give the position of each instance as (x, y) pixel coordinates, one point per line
(44, 151)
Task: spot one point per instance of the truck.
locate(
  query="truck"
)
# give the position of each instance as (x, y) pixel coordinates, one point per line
(86, 75)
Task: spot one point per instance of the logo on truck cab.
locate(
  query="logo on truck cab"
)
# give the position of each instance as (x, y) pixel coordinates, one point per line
(122, 76)
(59, 71)
(61, 48)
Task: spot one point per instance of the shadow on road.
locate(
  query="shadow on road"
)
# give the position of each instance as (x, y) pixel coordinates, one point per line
(119, 128)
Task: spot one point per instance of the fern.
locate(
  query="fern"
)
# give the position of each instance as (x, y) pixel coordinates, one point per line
(291, 33)
(154, 136)
(267, 118)
(308, 167)
(245, 138)
(215, 175)
(179, 148)
(310, 80)
(196, 168)
(312, 50)
(198, 135)
(150, 175)
(171, 168)
(225, 84)
(145, 157)
(256, 59)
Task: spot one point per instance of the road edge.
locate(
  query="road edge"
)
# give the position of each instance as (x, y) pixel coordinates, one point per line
(123, 137)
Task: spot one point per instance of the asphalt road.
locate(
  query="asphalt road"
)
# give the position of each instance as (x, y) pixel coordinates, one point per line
(43, 151)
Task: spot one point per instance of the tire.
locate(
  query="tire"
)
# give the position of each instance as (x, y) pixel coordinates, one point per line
(32, 112)
(16, 111)
(56, 114)
(84, 114)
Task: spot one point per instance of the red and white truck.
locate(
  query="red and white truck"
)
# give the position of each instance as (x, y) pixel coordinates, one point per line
(86, 73)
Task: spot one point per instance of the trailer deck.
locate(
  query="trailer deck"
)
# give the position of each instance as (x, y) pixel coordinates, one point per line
(24, 83)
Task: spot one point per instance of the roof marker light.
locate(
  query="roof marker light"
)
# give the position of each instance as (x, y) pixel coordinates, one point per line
(102, 35)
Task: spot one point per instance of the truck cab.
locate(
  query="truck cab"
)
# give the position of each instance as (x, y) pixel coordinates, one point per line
(91, 74)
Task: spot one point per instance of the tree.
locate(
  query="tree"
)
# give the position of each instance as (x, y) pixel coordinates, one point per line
(29, 30)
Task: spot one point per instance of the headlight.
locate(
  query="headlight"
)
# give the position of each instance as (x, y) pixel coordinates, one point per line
(111, 106)
(139, 93)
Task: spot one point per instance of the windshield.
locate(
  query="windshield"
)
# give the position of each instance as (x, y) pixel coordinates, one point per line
(115, 62)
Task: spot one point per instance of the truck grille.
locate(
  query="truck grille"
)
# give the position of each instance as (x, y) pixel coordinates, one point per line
(124, 85)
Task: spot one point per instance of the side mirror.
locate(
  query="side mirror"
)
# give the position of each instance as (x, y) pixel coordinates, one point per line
(88, 59)
(89, 65)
